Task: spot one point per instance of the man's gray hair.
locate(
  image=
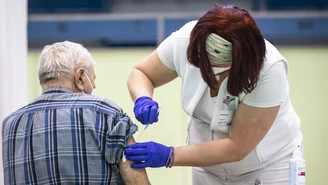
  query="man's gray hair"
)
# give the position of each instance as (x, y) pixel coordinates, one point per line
(60, 59)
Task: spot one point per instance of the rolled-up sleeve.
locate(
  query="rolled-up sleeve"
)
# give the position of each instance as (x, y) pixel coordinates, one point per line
(120, 130)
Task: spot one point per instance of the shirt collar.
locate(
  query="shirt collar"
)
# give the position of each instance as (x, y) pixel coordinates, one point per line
(56, 89)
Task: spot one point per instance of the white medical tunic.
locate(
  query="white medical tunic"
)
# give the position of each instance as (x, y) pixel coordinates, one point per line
(211, 116)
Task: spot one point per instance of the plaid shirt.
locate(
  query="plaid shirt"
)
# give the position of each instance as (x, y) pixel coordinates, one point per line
(65, 138)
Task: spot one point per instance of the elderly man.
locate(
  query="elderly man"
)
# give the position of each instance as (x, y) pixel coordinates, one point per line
(67, 135)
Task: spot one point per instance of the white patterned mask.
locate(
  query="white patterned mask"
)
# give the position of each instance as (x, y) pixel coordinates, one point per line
(219, 50)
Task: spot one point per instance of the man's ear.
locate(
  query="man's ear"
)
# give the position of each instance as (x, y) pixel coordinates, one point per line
(78, 79)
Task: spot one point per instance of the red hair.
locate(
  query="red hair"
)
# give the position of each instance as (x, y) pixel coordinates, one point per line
(248, 47)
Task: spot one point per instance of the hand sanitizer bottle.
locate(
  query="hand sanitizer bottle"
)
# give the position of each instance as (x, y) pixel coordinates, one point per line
(297, 168)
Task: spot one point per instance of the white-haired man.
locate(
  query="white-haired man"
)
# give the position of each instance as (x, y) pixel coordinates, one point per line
(67, 135)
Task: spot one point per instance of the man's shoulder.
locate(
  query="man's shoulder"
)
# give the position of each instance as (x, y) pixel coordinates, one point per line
(69, 101)
(98, 103)
(14, 114)
(108, 102)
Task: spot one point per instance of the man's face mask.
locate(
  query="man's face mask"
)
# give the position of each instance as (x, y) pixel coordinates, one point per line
(93, 89)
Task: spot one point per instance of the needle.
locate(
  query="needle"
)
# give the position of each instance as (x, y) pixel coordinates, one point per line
(157, 113)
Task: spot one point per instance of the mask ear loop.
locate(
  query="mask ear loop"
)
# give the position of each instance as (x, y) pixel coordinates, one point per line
(86, 75)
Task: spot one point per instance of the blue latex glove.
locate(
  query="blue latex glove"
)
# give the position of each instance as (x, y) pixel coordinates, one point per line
(148, 154)
(145, 110)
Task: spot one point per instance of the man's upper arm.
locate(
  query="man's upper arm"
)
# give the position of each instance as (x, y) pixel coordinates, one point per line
(130, 175)
(126, 127)
(119, 133)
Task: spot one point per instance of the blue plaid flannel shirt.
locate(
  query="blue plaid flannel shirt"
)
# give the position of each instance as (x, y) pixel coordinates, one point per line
(65, 138)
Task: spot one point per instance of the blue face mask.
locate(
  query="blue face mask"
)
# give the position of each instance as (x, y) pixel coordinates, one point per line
(93, 89)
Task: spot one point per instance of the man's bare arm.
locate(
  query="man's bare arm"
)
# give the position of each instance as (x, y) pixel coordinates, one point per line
(133, 176)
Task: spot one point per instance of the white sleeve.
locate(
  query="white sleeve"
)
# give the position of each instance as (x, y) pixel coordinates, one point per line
(271, 88)
(175, 45)
(165, 52)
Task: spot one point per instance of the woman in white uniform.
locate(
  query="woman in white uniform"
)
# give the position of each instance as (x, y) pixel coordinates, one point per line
(235, 89)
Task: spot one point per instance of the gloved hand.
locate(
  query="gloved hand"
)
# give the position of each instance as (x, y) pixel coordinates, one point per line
(148, 154)
(145, 110)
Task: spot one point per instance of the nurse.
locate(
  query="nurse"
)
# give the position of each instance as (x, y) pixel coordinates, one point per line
(243, 127)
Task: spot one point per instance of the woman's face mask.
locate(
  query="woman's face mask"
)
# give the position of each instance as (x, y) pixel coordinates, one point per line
(218, 70)
(219, 50)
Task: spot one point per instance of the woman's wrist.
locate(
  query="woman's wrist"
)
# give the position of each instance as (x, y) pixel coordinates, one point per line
(170, 159)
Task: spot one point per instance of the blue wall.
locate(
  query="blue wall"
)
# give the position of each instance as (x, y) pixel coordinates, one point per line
(53, 6)
(114, 31)
(144, 31)
(296, 4)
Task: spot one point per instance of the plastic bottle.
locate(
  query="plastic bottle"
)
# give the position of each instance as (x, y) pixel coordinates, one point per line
(297, 168)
